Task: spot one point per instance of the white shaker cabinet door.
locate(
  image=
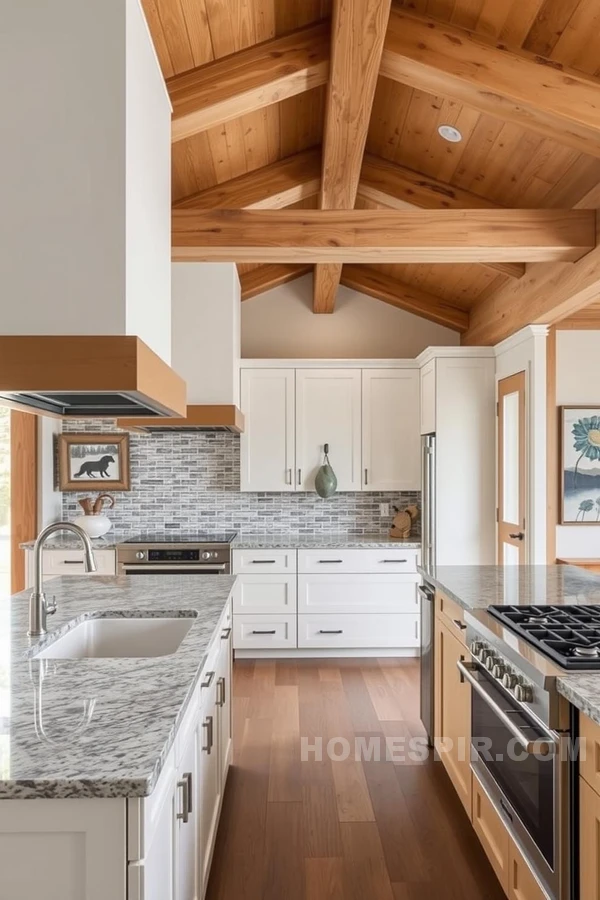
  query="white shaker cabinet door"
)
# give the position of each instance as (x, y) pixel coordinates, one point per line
(267, 444)
(328, 411)
(391, 446)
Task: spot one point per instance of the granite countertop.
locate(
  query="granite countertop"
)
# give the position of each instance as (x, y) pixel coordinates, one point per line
(68, 541)
(137, 703)
(284, 541)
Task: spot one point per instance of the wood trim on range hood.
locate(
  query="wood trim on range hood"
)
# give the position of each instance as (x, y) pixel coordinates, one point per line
(199, 417)
(87, 376)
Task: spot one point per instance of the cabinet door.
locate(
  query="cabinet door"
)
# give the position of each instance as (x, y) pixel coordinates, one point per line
(452, 712)
(492, 833)
(589, 842)
(267, 444)
(155, 877)
(224, 705)
(328, 411)
(187, 819)
(208, 792)
(390, 430)
(427, 380)
(522, 883)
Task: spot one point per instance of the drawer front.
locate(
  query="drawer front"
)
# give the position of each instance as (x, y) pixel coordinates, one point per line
(357, 594)
(264, 632)
(589, 763)
(261, 594)
(391, 560)
(264, 562)
(70, 562)
(452, 615)
(347, 631)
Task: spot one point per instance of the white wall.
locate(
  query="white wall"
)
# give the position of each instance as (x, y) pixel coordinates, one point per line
(526, 352)
(206, 330)
(578, 383)
(280, 324)
(49, 499)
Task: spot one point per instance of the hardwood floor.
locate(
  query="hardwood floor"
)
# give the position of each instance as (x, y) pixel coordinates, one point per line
(338, 830)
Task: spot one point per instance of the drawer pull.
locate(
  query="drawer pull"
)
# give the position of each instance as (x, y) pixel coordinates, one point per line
(273, 631)
(208, 725)
(260, 562)
(459, 624)
(221, 692)
(331, 631)
(366, 476)
(225, 634)
(328, 561)
(186, 786)
(394, 560)
(72, 562)
(209, 680)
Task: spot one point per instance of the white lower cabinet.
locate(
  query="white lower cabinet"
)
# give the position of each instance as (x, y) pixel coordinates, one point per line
(357, 593)
(358, 631)
(69, 562)
(275, 632)
(265, 594)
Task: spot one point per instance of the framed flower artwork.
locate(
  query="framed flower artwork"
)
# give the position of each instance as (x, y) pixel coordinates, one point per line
(580, 465)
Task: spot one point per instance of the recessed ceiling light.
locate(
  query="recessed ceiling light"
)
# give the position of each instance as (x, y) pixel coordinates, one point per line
(450, 133)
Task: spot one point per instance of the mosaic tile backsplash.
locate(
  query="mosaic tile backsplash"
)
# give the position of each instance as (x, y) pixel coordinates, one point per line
(191, 481)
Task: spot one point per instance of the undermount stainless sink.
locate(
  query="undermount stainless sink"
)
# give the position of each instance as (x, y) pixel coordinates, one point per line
(130, 637)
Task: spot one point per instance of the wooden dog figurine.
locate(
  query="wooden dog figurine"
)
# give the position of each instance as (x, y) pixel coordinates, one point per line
(402, 523)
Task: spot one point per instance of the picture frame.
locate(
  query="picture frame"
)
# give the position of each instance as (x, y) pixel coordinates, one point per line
(93, 461)
(579, 472)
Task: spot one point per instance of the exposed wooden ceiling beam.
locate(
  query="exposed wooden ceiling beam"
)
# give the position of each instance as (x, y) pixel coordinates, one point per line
(395, 187)
(271, 187)
(544, 296)
(263, 278)
(405, 296)
(382, 236)
(519, 87)
(357, 36)
(251, 79)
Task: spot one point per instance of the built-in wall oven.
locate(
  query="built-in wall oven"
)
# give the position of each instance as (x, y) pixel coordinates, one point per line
(181, 555)
(521, 751)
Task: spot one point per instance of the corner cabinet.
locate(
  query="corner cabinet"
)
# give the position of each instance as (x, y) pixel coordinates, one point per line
(368, 416)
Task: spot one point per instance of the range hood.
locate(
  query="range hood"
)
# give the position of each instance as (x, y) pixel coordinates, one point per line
(88, 376)
(200, 417)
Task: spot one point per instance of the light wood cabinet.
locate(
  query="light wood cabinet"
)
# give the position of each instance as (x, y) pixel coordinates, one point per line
(522, 883)
(492, 833)
(452, 711)
(267, 446)
(589, 842)
(390, 430)
(328, 411)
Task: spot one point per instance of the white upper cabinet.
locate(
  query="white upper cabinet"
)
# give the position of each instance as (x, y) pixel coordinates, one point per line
(428, 392)
(328, 411)
(390, 430)
(267, 445)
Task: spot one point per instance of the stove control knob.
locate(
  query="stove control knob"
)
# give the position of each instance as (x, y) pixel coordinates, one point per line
(481, 656)
(490, 661)
(140, 555)
(476, 648)
(509, 681)
(523, 693)
(498, 670)
(206, 555)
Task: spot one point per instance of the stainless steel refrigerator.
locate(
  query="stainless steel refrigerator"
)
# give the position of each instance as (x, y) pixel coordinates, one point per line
(426, 593)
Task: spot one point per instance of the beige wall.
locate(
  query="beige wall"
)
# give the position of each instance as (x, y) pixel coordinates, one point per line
(280, 324)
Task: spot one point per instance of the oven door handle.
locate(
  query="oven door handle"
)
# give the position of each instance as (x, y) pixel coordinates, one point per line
(156, 567)
(538, 747)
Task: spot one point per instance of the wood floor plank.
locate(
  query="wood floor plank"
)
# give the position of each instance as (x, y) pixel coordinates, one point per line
(330, 673)
(284, 853)
(321, 824)
(365, 872)
(385, 699)
(362, 711)
(286, 673)
(351, 791)
(243, 677)
(402, 675)
(325, 879)
(263, 689)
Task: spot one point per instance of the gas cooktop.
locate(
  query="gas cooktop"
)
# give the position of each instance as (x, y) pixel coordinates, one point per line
(177, 538)
(569, 635)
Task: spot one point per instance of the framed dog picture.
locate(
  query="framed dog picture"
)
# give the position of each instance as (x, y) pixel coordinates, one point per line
(98, 460)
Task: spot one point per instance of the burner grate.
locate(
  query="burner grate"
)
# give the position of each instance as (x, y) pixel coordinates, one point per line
(570, 636)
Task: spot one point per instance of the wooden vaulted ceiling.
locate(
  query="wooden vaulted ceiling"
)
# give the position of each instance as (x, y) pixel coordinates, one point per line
(334, 105)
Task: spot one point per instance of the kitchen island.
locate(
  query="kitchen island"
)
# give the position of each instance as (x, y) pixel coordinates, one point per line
(114, 768)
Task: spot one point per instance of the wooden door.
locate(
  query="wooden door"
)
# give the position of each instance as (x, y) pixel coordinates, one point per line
(328, 411)
(452, 712)
(390, 430)
(267, 444)
(522, 883)
(589, 842)
(492, 833)
(23, 491)
(512, 474)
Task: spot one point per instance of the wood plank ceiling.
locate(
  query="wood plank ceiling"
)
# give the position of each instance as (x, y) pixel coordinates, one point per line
(262, 129)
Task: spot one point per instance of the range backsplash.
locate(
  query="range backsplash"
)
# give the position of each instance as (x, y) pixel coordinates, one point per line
(191, 481)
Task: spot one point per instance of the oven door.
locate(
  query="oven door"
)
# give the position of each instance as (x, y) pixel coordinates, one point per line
(166, 569)
(521, 765)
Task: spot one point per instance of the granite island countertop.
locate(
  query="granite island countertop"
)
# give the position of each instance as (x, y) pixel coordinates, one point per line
(266, 541)
(137, 703)
(68, 541)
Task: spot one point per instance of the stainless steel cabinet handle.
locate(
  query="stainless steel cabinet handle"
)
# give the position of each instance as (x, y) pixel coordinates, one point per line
(332, 631)
(225, 634)
(210, 676)
(186, 786)
(288, 476)
(221, 692)
(264, 632)
(208, 726)
(460, 625)
(539, 747)
(366, 476)
(299, 476)
(394, 560)
(327, 561)
(72, 562)
(260, 562)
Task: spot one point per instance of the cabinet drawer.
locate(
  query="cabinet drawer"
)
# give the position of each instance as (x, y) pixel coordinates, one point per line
(70, 562)
(264, 632)
(589, 762)
(522, 883)
(357, 594)
(348, 631)
(392, 560)
(264, 562)
(452, 615)
(263, 594)
(492, 832)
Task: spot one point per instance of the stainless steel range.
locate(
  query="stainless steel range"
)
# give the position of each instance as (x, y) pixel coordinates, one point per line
(521, 730)
(181, 554)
